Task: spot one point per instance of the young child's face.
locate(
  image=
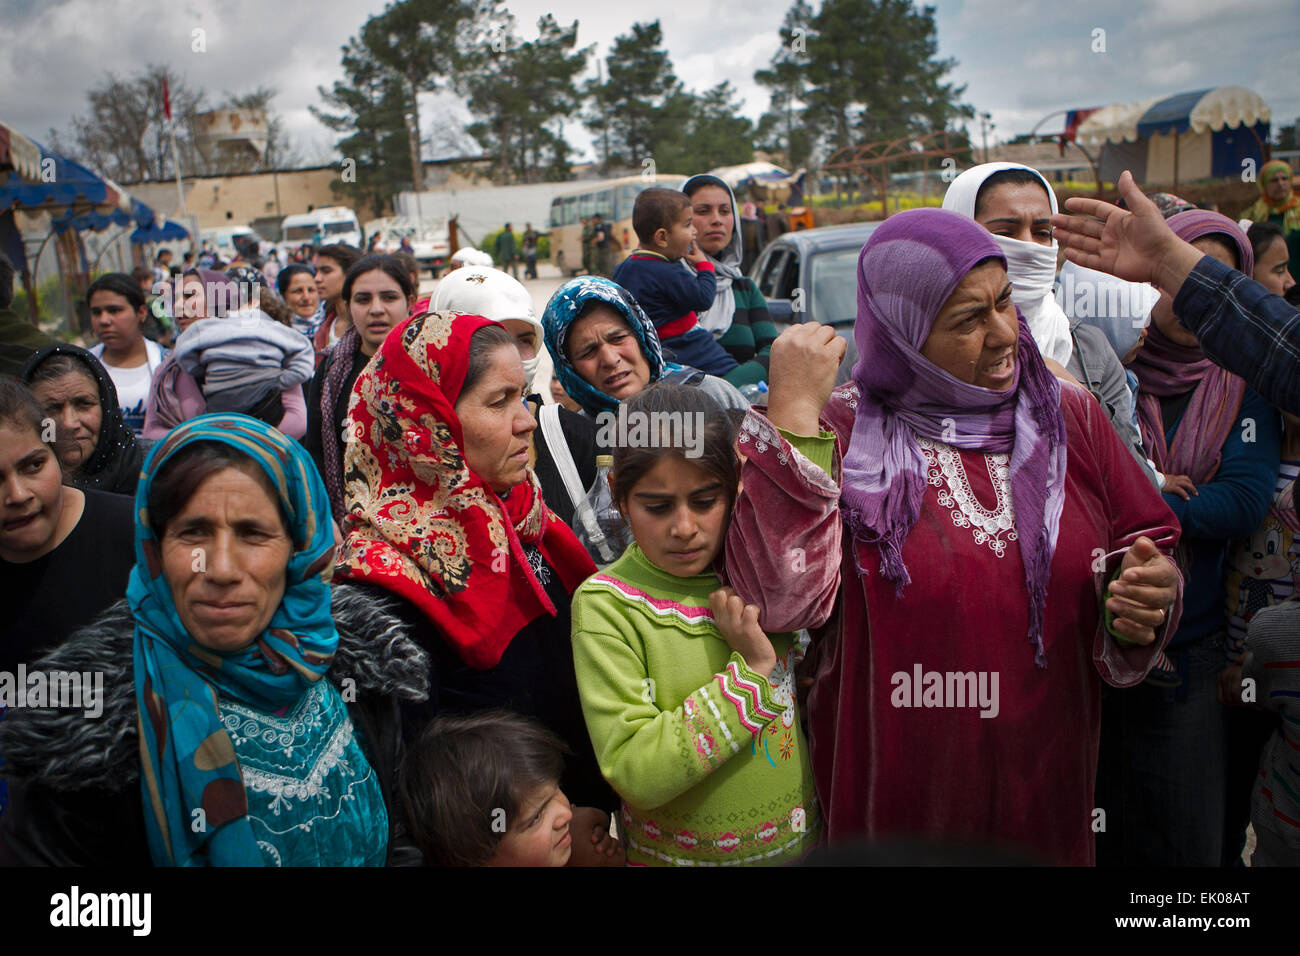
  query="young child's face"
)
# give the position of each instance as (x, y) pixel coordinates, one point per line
(539, 835)
(680, 236)
(678, 515)
(1132, 353)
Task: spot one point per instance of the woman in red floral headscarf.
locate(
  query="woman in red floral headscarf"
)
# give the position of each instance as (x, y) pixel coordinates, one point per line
(444, 513)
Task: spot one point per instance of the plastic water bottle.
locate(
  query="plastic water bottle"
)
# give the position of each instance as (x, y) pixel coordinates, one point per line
(755, 393)
(602, 530)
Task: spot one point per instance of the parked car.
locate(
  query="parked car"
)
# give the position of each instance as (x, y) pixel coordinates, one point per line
(812, 276)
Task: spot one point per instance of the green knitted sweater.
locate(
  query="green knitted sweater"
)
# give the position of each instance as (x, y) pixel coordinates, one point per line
(707, 756)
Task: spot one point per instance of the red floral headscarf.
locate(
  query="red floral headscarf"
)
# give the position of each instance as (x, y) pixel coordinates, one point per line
(419, 522)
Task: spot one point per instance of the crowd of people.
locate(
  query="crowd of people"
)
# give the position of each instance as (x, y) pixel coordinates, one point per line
(342, 588)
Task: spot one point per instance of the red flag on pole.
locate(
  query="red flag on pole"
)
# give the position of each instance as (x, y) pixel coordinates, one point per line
(167, 101)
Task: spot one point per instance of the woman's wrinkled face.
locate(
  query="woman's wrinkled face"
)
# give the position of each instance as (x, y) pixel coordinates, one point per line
(378, 304)
(224, 557)
(72, 400)
(1272, 268)
(31, 493)
(117, 324)
(301, 295)
(1162, 313)
(496, 423)
(603, 350)
(539, 835)
(975, 337)
(1017, 211)
(678, 515)
(1278, 186)
(714, 218)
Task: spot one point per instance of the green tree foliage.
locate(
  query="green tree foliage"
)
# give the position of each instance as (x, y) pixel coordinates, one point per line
(517, 89)
(642, 112)
(421, 44)
(369, 106)
(857, 72)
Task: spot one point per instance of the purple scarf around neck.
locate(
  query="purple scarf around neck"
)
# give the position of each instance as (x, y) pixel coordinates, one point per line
(1165, 368)
(906, 272)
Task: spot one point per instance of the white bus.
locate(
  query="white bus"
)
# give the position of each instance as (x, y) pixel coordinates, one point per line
(612, 200)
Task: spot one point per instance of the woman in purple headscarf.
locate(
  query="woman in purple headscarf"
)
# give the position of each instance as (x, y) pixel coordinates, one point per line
(947, 524)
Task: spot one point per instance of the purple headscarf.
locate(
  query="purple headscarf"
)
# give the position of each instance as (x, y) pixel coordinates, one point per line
(906, 272)
(1164, 368)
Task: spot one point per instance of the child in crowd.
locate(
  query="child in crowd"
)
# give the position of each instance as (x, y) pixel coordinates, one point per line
(670, 294)
(244, 362)
(690, 705)
(484, 790)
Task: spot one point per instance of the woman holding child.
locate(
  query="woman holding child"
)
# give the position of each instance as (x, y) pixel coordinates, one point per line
(954, 700)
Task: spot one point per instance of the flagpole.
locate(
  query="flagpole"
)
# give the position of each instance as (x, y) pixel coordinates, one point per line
(176, 158)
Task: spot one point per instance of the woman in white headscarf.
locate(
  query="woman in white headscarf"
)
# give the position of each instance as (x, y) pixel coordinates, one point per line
(1008, 200)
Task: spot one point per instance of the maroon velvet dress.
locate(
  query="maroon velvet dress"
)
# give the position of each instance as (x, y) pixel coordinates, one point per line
(928, 718)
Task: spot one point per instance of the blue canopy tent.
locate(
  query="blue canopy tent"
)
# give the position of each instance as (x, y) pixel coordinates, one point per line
(1201, 134)
(34, 180)
(168, 231)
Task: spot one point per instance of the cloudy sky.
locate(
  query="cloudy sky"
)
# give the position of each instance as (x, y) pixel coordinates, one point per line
(1019, 59)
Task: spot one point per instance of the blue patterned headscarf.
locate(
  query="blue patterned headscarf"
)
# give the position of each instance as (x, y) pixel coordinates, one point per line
(187, 760)
(563, 310)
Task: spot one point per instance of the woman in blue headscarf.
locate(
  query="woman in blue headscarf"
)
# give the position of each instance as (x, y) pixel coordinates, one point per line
(245, 721)
(605, 348)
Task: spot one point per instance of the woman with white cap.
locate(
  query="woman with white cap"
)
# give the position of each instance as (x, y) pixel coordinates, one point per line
(563, 449)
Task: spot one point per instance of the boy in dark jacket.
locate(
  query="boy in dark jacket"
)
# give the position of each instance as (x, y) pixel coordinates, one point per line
(669, 294)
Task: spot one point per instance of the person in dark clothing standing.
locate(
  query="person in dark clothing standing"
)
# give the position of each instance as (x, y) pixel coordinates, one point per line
(530, 251)
(507, 252)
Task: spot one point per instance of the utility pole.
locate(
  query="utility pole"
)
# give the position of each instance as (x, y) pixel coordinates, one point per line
(604, 117)
(986, 118)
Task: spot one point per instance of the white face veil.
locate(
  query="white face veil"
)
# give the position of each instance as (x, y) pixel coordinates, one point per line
(491, 293)
(1030, 267)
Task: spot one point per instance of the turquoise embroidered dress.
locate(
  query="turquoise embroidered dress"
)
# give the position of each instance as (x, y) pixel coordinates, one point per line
(312, 795)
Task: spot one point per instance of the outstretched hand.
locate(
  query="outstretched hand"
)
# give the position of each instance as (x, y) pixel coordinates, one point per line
(1135, 244)
(801, 375)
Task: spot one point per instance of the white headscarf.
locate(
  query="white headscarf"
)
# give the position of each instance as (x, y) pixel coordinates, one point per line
(718, 317)
(1120, 309)
(1030, 267)
(491, 293)
(469, 256)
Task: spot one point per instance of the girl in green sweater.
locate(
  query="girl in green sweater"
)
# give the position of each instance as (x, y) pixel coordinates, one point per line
(690, 705)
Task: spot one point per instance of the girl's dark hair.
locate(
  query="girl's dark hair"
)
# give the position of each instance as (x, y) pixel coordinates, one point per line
(285, 276)
(481, 345)
(346, 256)
(1015, 177)
(717, 456)
(411, 264)
(1261, 236)
(390, 266)
(19, 408)
(121, 284)
(176, 483)
(464, 779)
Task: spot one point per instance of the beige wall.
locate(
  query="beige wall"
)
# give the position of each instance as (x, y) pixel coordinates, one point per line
(239, 200)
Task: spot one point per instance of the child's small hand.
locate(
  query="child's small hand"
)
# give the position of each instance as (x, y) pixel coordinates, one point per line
(694, 254)
(1181, 486)
(737, 622)
(592, 843)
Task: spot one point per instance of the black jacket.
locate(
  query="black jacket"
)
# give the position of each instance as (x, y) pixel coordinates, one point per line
(75, 782)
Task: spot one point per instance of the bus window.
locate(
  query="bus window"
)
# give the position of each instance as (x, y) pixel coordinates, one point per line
(586, 205)
(557, 212)
(604, 204)
(627, 199)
